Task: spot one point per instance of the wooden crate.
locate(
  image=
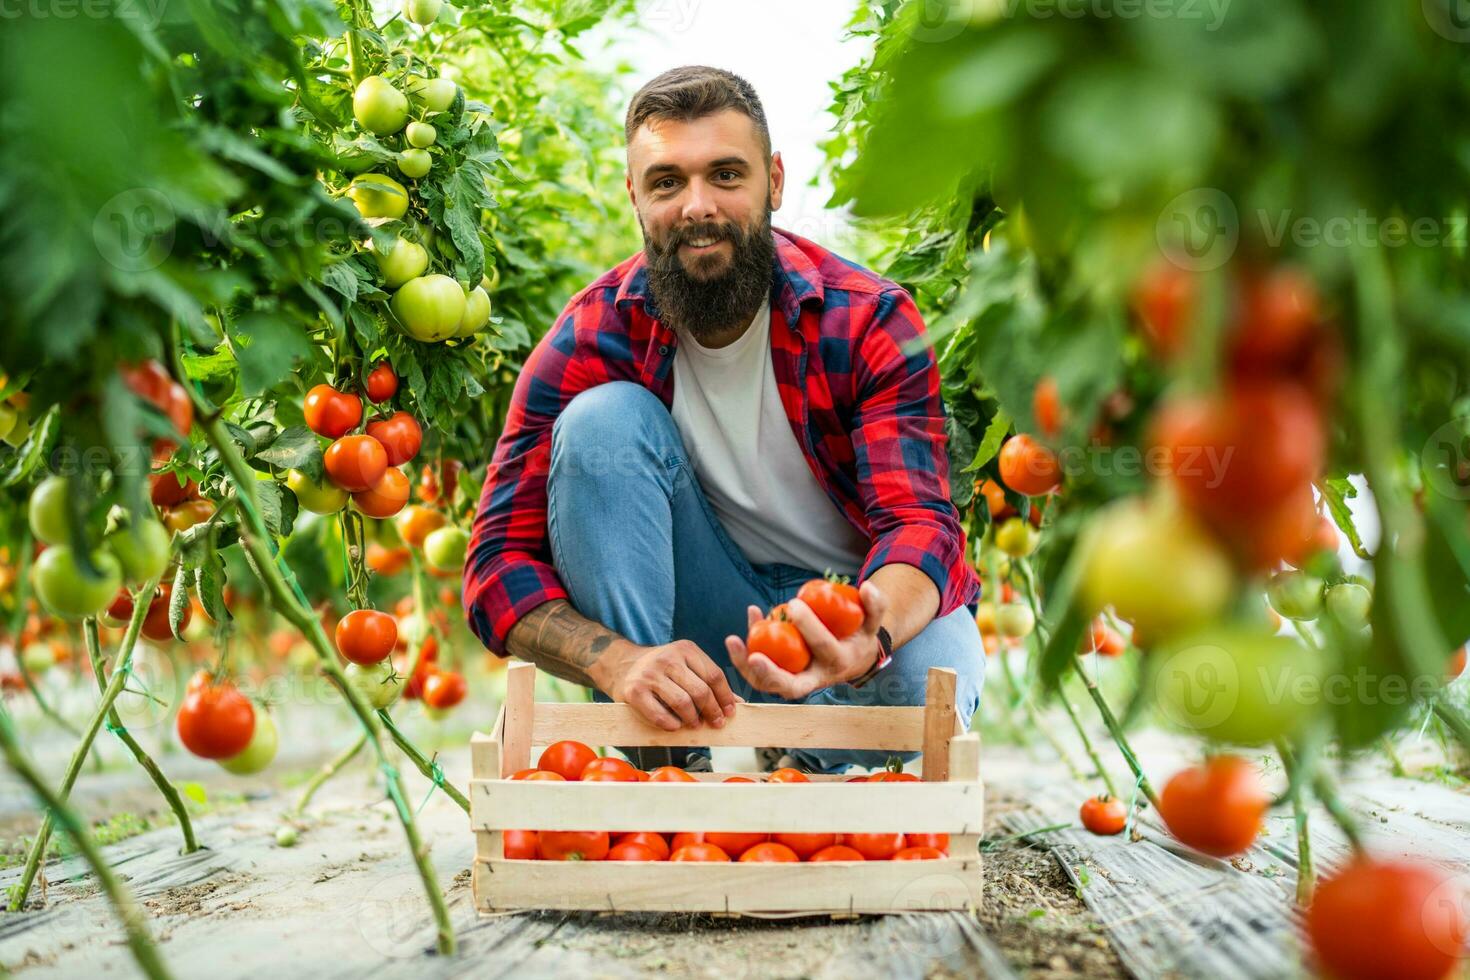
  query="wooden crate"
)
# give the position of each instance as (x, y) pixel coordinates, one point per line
(951, 800)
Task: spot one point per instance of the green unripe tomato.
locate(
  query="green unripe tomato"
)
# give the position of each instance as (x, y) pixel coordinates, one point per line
(142, 549)
(1295, 595)
(20, 431)
(66, 590)
(408, 260)
(8, 418)
(50, 520)
(378, 196)
(379, 684)
(490, 280)
(38, 658)
(1350, 604)
(434, 94)
(429, 307)
(378, 107)
(422, 12)
(476, 313)
(1015, 620)
(445, 548)
(1016, 537)
(286, 837)
(421, 134)
(415, 163)
(260, 751)
(319, 498)
(1240, 685)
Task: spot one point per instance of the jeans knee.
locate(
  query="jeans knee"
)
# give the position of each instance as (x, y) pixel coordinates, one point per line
(606, 430)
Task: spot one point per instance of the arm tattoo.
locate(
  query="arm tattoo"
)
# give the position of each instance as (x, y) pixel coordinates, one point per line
(560, 640)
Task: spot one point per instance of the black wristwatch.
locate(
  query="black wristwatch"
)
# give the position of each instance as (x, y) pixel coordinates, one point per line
(885, 656)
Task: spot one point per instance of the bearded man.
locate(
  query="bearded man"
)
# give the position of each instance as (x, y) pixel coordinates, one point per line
(722, 417)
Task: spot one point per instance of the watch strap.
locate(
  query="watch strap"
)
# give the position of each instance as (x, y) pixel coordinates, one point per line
(885, 657)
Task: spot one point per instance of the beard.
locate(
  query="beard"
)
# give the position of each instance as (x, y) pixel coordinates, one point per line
(700, 299)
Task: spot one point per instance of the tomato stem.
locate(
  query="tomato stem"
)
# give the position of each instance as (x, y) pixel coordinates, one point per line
(1091, 750)
(327, 772)
(1306, 876)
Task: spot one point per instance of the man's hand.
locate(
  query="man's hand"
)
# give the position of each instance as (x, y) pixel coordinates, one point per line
(833, 661)
(673, 686)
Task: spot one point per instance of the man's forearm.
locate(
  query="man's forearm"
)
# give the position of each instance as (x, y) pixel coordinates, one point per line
(912, 600)
(561, 641)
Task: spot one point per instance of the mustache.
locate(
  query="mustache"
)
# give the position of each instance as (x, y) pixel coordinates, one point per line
(684, 234)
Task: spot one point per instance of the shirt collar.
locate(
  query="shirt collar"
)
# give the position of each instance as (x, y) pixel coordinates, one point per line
(795, 281)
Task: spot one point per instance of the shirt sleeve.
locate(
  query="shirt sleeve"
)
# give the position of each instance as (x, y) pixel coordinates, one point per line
(508, 569)
(899, 442)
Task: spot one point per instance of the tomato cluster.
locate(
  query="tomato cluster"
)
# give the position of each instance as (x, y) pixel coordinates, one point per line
(575, 761)
(363, 466)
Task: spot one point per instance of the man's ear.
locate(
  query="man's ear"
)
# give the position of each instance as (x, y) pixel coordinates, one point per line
(778, 180)
(628, 180)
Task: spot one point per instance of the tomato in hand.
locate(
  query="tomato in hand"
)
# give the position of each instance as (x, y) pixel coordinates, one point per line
(875, 847)
(670, 774)
(566, 758)
(355, 463)
(1216, 807)
(805, 845)
(572, 845)
(382, 383)
(400, 436)
(215, 720)
(1104, 815)
(623, 771)
(769, 852)
(699, 852)
(330, 412)
(836, 604)
(837, 852)
(385, 497)
(632, 851)
(520, 845)
(366, 636)
(657, 843)
(782, 642)
(1028, 467)
(1376, 919)
(444, 689)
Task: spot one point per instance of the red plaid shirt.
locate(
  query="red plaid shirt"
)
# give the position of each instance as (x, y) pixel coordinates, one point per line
(862, 400)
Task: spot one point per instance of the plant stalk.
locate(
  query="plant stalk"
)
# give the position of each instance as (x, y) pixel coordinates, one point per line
(327, 772)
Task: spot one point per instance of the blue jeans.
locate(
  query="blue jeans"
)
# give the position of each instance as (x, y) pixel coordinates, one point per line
(639, 549)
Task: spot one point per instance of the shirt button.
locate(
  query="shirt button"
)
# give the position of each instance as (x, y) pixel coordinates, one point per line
(663, 350)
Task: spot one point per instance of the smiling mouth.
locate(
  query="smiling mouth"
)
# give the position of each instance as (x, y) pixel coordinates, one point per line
(701, 244)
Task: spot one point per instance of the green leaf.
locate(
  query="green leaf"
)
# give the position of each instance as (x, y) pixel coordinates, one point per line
(268, 347)
(1336, 492)
(294, 448)
(178, 600)
(995, 434)
(36, 448)
(209, 584)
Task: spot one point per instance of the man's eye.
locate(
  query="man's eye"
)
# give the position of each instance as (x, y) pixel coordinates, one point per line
(665, 184)
(728, 175)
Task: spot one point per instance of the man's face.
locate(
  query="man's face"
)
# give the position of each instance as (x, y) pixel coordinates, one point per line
(704, 196)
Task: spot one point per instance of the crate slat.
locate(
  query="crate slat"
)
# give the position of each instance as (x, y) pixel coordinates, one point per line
(950, 808)
(877, 886)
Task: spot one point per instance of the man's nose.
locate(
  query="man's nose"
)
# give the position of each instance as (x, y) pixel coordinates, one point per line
(699, 203)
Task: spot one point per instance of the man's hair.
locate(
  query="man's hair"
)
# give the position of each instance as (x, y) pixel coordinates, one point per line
(692, 92)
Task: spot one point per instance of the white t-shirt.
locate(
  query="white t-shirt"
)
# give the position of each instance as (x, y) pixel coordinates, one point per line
(728, 411)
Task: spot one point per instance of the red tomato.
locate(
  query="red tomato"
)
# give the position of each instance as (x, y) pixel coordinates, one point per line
(572, 845)
(836, 604)
(1454, 669)
(1165, 299)
(732, 844)
(520, 845)
(805, 845)
(1046, 406)
(155, 623)
(995, 500)
(413, 688)
(837, 852)
(699, 852)
(670, 774)
(1324, 538)
(738, 779)
(782, 642)
(566, 758)
(769, 853)
(632, 851)
(434, 482)
(386, 497)
(540, 776)
(366, 636)
(657, 843)
(152, 383)
(889, 776)
(918, 854)
(875, 847)
(623, 771)
(387, 561)
(164, 489)
(444, 689)
(1216, 807)
(414, 523)
(1028, 467)
(400, 436)
(1104, 815)
(1102, 638)
(330, 412)
(1376, 920)
(787, 775)
(382, 383)
(940, 842)
(215, 721)
(355, 463)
